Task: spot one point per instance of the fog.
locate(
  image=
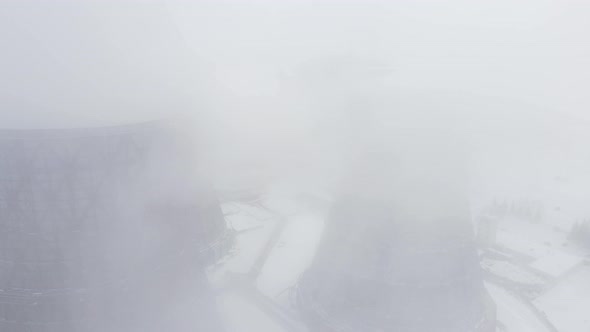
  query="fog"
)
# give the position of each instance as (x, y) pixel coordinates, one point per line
(397, 142)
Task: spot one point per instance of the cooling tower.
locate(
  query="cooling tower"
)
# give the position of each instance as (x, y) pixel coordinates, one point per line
(105, 229)
(397, 252)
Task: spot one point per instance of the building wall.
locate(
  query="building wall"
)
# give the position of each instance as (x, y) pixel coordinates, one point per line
(102, 229)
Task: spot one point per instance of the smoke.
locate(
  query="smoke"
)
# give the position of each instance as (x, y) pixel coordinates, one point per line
(416, 102)
(268, 81)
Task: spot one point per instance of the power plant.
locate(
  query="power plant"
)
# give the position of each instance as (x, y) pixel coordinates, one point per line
(105, 229)
(305, 166)
(398, 251)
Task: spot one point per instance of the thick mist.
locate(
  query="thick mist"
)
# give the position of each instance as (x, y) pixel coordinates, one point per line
(427, 112)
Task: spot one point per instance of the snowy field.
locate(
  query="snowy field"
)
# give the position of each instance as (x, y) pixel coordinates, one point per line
(538, 281)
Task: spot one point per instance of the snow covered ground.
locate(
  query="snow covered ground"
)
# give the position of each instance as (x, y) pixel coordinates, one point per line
(546, 278)
(567, 304)
(538, 281)
(513, 315)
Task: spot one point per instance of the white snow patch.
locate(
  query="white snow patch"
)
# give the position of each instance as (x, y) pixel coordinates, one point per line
(513, 313)
(556, 264)
(567, 305)
(292, 255)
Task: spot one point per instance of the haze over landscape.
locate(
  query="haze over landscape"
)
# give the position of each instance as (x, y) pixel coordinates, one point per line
(423, 110)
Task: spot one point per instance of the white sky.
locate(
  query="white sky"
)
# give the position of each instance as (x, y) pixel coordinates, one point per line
(92, 59)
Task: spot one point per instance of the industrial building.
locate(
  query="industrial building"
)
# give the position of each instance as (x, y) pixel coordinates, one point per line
(105, 229)
(398, 250)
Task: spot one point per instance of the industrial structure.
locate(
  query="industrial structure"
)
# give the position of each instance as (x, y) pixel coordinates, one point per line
(398, 250)
(105, 229)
